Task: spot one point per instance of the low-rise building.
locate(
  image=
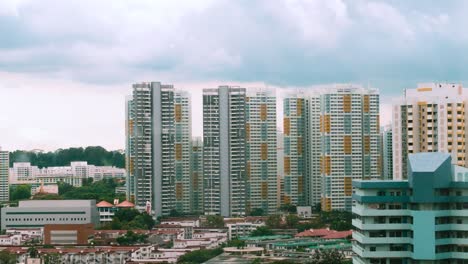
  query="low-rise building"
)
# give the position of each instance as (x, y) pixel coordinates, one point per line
(423, 219)
(37, 213)
(107, 210)
(10, 240)
(239, 227)
(60, 234)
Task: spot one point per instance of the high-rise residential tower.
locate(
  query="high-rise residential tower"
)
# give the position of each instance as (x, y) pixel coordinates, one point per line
(4, 176)
(302, 149)
(430, 118)
(158, 135)
(295, 151)
(224, 156)
(387, 152)
(349, 128)
(182, 147)
(197, 175)
(261, 149)
(129, 157)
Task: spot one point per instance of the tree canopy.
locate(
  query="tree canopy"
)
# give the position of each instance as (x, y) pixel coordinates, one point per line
(199, 256)
(62, 157)
(130, 219)
(20, 192)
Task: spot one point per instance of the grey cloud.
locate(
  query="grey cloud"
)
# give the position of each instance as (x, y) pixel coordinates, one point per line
(283, 43)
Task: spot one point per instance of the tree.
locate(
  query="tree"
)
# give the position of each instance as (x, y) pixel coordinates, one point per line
(328, 257)
(199, 256)
(21, 192)
(33, 253)
(52, 258)
(214, 221)
(262, 231)
(7, 258)
(236, 243)
(292, 221)
(288, 208)
(62, 157)
(130, 219)
(273, 221)
(257, 212)
(64, 187)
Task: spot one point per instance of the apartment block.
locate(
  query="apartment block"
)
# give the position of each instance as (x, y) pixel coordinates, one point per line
(260, 149)
(430, 118)
(196, 172)
(387, 152)
(158, 135)
(4, 176)
(224, 158)
(420, 219)
(350, 138)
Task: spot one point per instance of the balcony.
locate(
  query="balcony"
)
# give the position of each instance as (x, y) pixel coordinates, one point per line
(360, 210)
(381, 240)
(363, 253)
(357, 223)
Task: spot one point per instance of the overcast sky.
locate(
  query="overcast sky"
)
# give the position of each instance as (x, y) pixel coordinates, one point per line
(66, 66)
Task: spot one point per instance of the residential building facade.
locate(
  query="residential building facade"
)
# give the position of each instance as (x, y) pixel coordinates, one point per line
(4, 176)
(260, 149)
(420, 219)
(158, 135)
(430, 118)
(387, 152)
(350, 135)
(224, 160)
(196, 172)
(295, 151)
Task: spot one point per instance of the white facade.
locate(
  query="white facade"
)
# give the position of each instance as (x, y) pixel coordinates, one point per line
(224, 161)
(261, 151)
(387, 153)
(37, 213)
(430, 118)
(350, 135)
(241, 229)
(4, 176)
(158, 135)
(25, 173)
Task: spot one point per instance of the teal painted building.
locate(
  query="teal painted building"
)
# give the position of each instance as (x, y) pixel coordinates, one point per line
(421, 220)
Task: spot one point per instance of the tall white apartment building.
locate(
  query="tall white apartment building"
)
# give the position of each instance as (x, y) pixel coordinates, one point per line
(182, 147)
(387, 152)
(4, 177)
(224, 160)
(129, 148)
(430, 118)
(350, 135)
(295, 152)
(261, 150)
(280, 167)
(197, 175)
(158, 135)
(301, 149)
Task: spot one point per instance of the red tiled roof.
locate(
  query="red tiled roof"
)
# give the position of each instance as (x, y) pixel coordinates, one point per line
(104, 204)
(125, 204)
(315, 233)
(338, 234)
